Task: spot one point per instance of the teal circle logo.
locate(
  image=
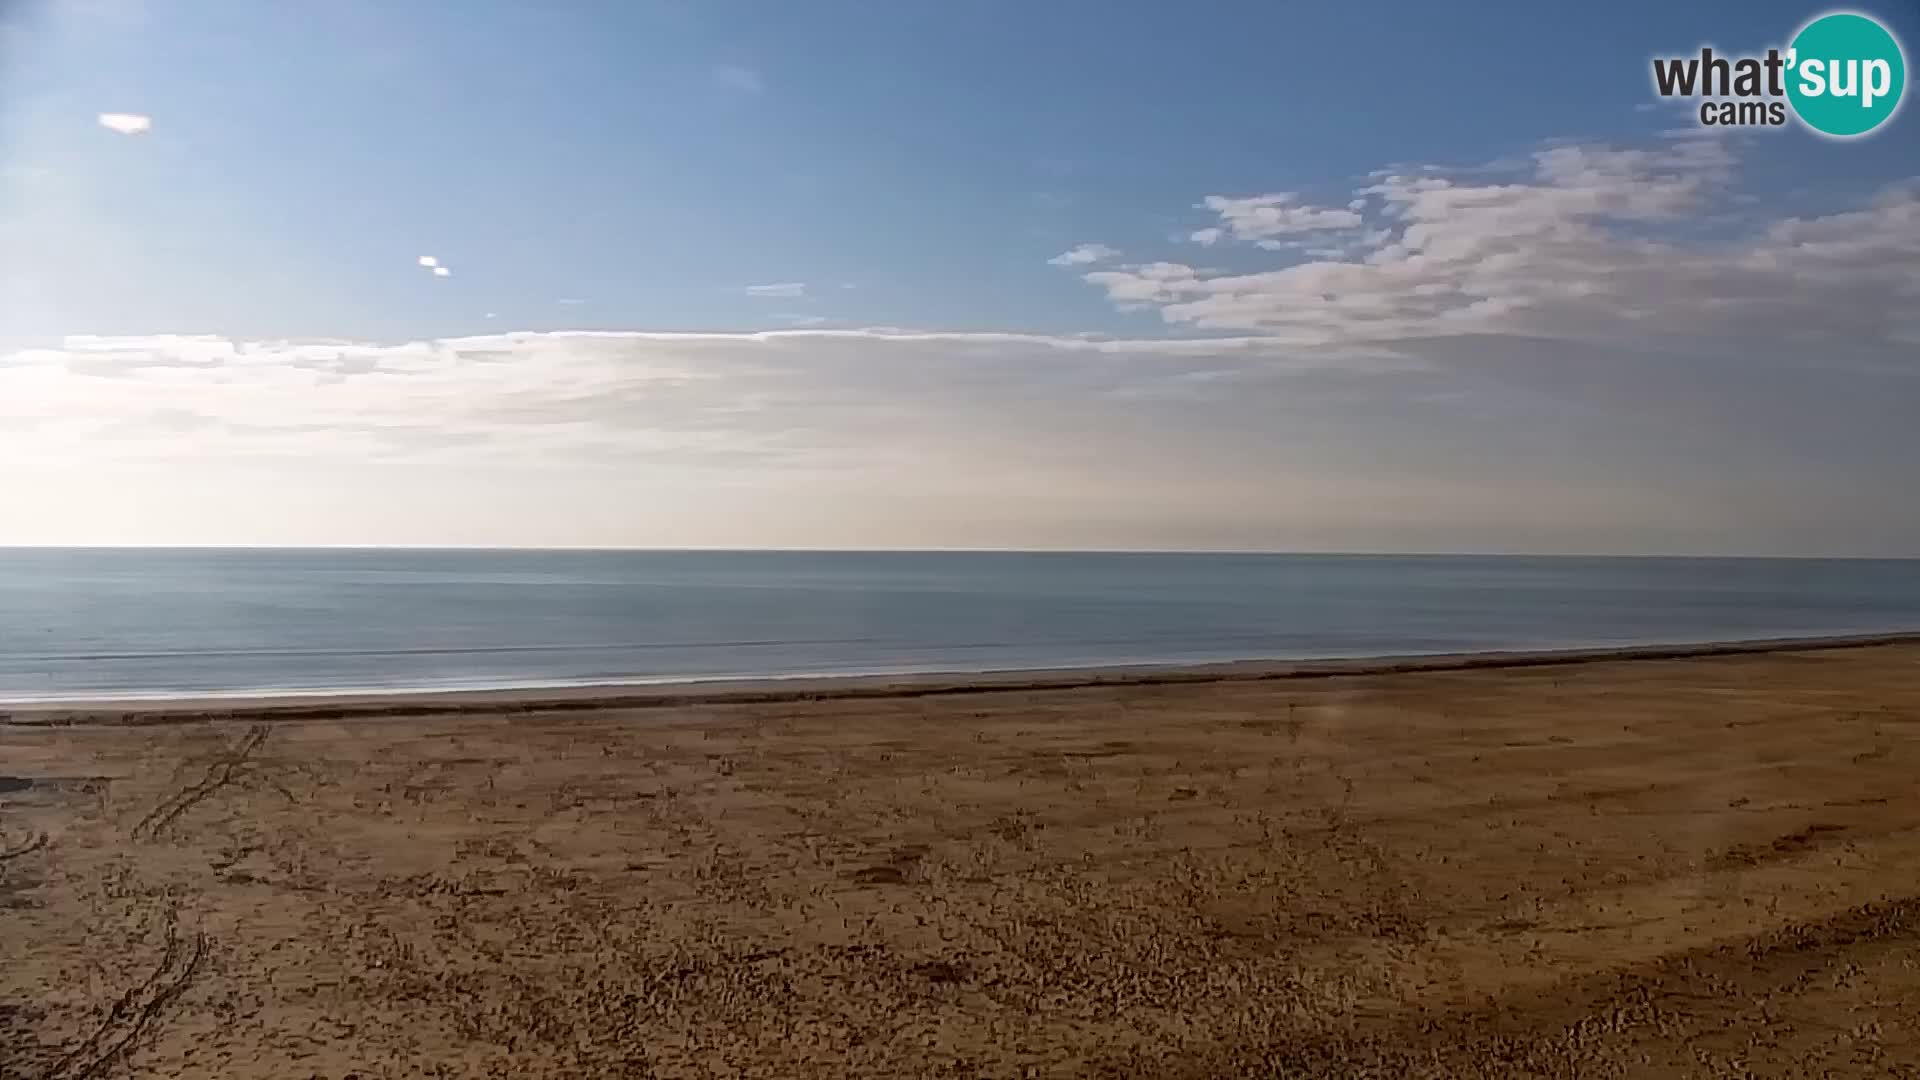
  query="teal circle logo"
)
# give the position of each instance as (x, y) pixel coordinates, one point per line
(1846, 74)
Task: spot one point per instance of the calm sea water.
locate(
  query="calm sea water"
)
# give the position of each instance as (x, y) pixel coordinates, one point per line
(152, 622)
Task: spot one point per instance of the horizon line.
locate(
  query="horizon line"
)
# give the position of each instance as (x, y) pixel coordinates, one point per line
(980, 550)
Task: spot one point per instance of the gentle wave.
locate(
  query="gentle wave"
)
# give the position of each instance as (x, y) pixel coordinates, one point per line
(96, 623)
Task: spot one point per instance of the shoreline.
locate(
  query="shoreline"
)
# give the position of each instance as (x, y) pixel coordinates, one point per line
(404, 704)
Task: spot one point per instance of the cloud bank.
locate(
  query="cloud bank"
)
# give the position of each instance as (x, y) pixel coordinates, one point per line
(1625, 246)
(588, 394)
(1598, 348)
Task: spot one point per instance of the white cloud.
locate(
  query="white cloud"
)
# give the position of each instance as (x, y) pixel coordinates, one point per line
(584, 393)
(429, 261)
(441, 271)
(1207, 237)
(739, 79)
(782, 289)
(997, 438)
(1580, 340)
(1582, 243)
(126, 123)
(1083, 255)
(1261, 218)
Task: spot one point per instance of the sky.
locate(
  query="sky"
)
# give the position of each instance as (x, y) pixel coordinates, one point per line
(1362, 276)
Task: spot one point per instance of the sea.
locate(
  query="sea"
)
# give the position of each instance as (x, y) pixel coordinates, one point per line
(155, 623)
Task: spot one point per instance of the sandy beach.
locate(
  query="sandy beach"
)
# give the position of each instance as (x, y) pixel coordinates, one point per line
(1656, 864)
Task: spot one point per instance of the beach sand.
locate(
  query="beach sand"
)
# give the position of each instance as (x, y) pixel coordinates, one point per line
(1704, 866)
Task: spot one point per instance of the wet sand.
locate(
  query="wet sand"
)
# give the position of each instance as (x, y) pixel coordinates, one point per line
(1682, 866)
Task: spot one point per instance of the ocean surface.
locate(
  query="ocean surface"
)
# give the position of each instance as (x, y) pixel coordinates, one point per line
(125, 623)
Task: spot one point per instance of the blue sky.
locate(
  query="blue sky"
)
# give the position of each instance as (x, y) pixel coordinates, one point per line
(654, 159)
(735, 167)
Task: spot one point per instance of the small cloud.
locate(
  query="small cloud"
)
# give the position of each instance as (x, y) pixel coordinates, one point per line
(1206, 237)
(126, 123)
(787, 289)
(1083, 255)
(441, 271)
(1265, 217)
(490, 315)
(429, 261)
(1357, 205)
(740, 79)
